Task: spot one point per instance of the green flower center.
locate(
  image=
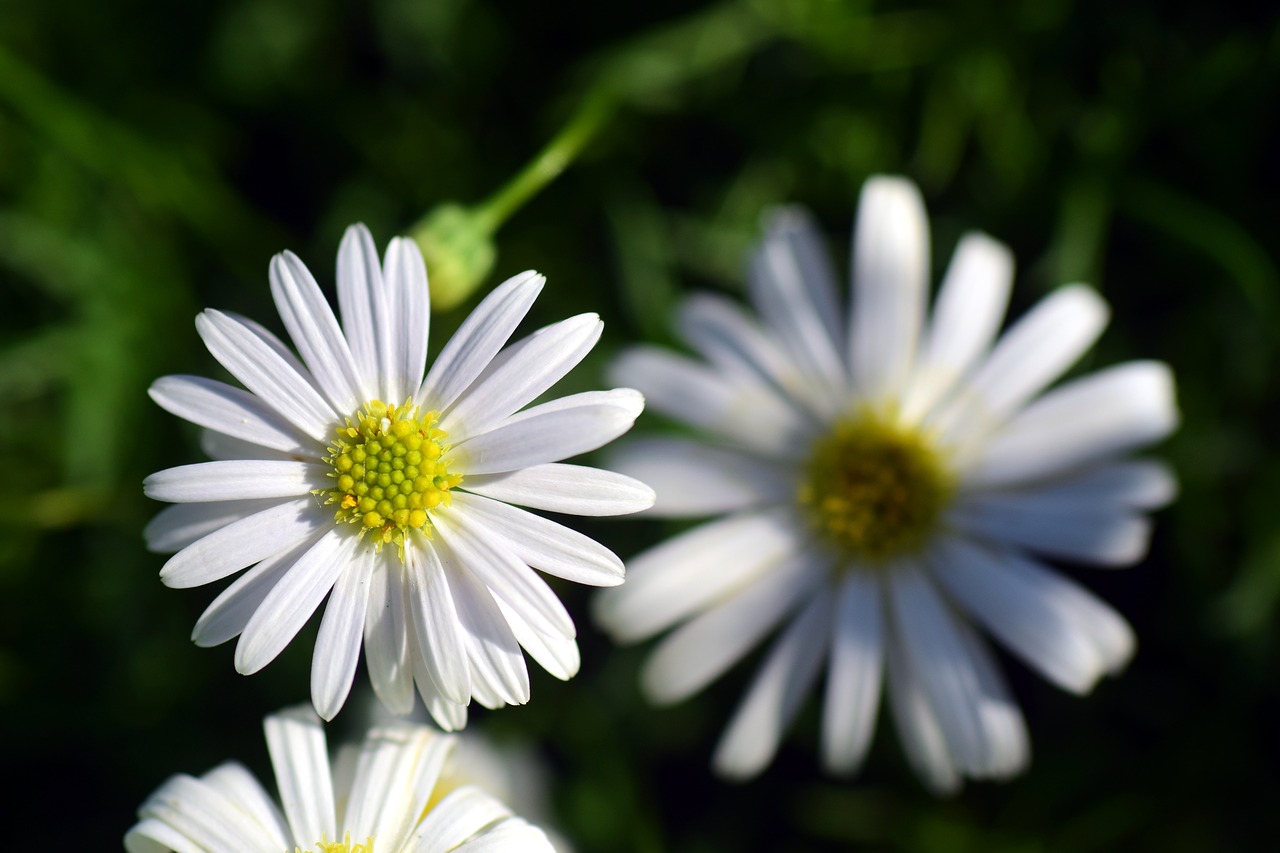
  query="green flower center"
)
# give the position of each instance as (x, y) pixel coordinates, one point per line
(875, 490)
(389, 472)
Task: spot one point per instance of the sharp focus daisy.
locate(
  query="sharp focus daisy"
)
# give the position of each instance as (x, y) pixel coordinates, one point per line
(387, 796)
(348, 473)
(888, 480)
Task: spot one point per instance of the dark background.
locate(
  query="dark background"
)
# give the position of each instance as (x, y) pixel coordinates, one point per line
(153, 156)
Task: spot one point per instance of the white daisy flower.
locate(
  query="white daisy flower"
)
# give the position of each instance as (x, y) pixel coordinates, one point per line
(349, 474)
(385, 797)
(887, 482)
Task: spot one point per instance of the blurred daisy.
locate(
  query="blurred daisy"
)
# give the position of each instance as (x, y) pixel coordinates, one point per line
(887, 482)
(384, 796)
(349, 474)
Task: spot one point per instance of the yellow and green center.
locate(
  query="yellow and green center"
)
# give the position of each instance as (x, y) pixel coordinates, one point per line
(875, 490)
(344, 846)
(390, 470)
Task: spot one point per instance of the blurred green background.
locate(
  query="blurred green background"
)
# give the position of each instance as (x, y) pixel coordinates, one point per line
(153, 156)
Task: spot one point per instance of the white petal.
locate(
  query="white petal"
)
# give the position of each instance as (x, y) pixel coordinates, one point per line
(226, 617)
(238, 785)
(435, 623)
(572, 489)
(545, 433)
(1035, 351)
(337, 650)
(197, 811)
(175, 527)
(1099, 533)
(793, 289)
(460, 815)
(243, 543)
(295, 740)
(506, 835)
(750, 414)
(359, 277)
(315, 332)
(544, 544)
(234, 480)
(493, 651)
(701, 650)
(449, 716)
(854, 673)
(971, 302)
(939, 660)
(692, 571)
(1066, 633)
(266, 373)
(155, 836)
(723, 333)
(1095, 417)
(890, 283)
(1008, 746)
(293, 599)
(478, 339)
(1128, 484)
(753, 735)
(386, 636)
(217, 445)
(553, 651)
(409, 316)
(521, 372)
(694, 478)
(389, 793)
(922, 738)
(228, 410)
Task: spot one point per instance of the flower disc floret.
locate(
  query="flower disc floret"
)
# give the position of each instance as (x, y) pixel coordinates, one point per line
(873, 489)
(344, 846)
(390, 471)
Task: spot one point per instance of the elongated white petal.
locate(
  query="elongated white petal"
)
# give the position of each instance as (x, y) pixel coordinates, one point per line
(234, 480)
(243, 543)
(449, 716)
(239, 786)
(750, 414)
(572, 489)
(692, 571)
(478, 340)
(1127, 484)
(752, 736)
(459, 816)
(1093, 418)
(553, 651)
(220, 446)
(359, 277)
(296, 742)
(1066, 633)
(203, 816)
(292, 601)
(266, 373)
(315, 331)
(539, 435)
(386, 636)
(226, 617)
(408, 321)
(337, 650)
(1038, 349)
(702, 649)
(971, 303)
(1005, 731)
(228, 410)
(791, 283)
(175, 527)
(510, 834)
(387, 795)
(152, 835)
(494, 653)
(521, 372)
(544, 544)
(693, 478)
(854, 673)
(890, 284)
(922, 738)
(436, 625)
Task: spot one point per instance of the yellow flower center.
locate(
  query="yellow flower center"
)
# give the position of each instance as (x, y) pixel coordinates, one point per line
(389, 471)
(344, 846)
(874, 489)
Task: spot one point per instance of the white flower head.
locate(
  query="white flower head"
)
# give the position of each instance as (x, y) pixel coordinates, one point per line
(347, 473)
(888, 479)
(387, 796)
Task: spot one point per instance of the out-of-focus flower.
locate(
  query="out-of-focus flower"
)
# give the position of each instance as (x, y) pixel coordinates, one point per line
(349, 474)
(383, 797)
(888, 479)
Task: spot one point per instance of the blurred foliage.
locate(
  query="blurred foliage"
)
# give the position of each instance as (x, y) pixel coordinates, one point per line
(153, 156)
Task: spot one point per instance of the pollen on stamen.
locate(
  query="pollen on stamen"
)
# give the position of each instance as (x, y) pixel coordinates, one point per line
(875, 490)
(344, 846)
(390, 469)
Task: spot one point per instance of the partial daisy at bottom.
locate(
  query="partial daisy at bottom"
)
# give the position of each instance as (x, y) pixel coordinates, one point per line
(888, 483)
(386, 796)
(354, 473)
